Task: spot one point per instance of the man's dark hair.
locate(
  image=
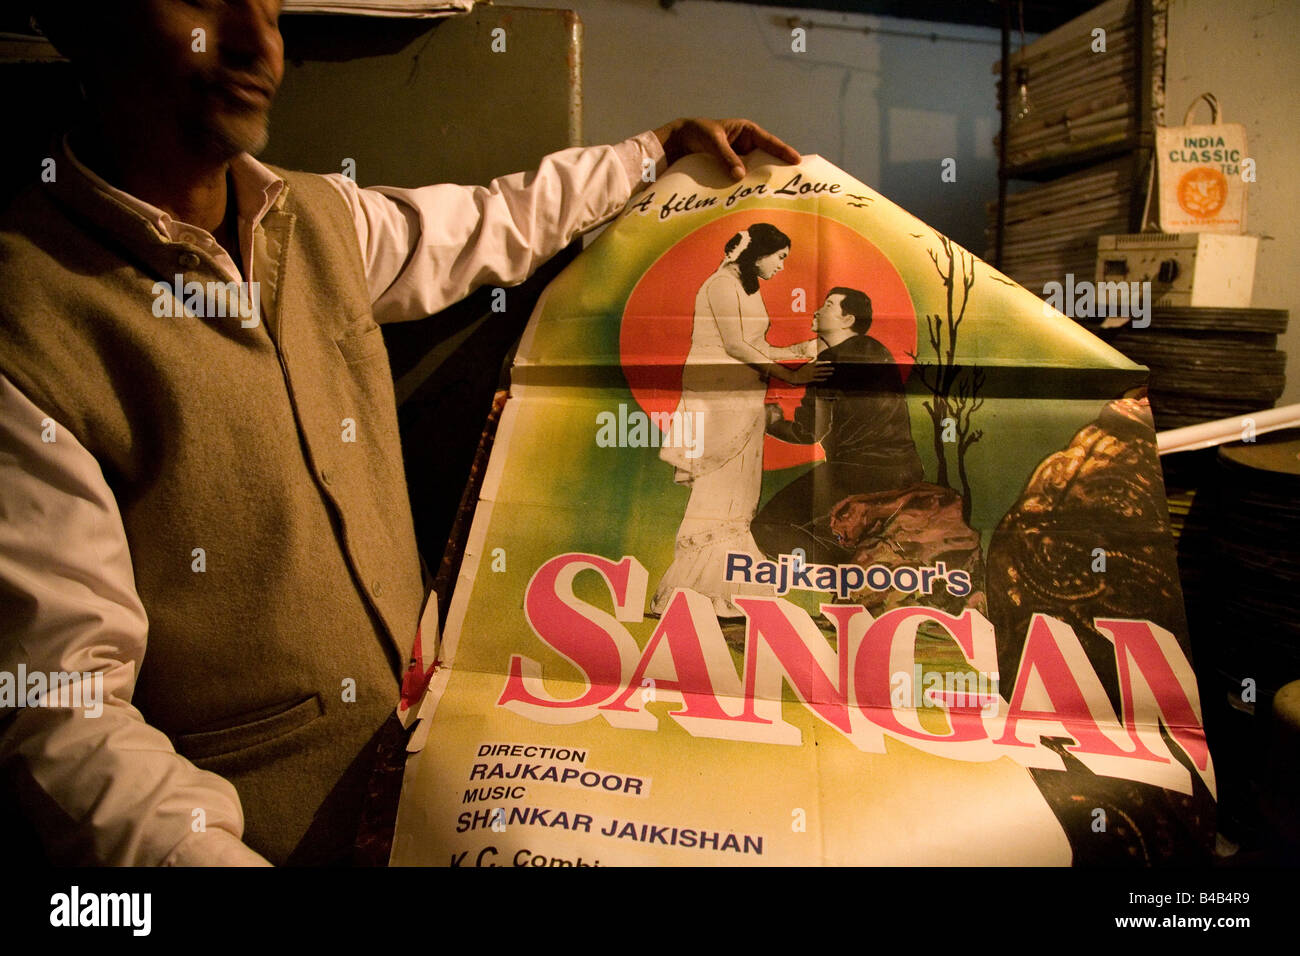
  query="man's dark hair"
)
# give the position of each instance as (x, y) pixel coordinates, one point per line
(59, 20)
(764, 239)
(856, 304)
(80, 30)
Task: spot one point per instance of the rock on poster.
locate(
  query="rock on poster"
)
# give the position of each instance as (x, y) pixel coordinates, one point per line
(809, 538)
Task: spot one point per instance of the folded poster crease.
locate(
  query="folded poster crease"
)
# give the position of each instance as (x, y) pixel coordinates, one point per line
(808, 537)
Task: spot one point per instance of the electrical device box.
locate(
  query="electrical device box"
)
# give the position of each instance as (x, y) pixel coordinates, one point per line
(1185, 269)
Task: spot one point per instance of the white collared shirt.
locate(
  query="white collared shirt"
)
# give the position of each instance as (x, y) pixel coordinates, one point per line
(66, 575)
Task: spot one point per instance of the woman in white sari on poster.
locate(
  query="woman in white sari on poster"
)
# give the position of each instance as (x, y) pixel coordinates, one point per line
(724, 384)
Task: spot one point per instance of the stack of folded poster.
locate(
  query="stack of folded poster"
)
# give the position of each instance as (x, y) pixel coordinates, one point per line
(1077, 97)
(1052, 228)
(1076, 88)
(1206, 363)
(381, 8)
(808, 538)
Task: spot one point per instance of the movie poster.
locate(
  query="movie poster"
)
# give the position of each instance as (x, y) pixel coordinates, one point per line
(809, 538)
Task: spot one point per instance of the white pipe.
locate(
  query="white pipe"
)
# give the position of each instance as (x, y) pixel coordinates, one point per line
(1237, 428)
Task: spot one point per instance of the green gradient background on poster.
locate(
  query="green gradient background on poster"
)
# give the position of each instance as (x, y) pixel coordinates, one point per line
(561, 492)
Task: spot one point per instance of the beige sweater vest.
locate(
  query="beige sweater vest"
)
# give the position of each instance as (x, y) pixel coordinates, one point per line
(235, 440)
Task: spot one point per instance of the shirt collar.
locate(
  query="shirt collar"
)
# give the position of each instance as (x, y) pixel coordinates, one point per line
(256, 190)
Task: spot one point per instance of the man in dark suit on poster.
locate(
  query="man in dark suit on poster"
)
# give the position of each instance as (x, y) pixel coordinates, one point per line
(859, 415)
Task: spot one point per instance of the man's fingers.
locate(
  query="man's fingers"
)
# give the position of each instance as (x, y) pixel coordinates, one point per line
(762, 139)
(722, 144)
(725, 138)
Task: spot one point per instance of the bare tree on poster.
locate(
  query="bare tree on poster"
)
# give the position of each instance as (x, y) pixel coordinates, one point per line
(954, 397)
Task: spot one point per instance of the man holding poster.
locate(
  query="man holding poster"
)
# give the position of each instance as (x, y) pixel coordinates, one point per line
(225, 486)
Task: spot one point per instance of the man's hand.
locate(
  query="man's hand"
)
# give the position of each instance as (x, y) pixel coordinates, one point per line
(723, 138)
(809, 373)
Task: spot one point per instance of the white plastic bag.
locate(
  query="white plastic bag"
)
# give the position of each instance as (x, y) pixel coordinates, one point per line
(1202, 188)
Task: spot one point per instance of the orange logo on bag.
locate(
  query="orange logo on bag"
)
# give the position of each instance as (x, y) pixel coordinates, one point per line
(1202, 191)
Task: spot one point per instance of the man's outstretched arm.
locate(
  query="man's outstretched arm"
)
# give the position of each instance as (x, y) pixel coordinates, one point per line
(427, 248)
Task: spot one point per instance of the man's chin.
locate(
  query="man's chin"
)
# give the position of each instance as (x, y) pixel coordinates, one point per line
(254, 144)
(245, 140)
(223, 141)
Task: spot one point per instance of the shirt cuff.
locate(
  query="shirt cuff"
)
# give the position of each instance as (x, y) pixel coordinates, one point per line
(214, 848)
(634, 154)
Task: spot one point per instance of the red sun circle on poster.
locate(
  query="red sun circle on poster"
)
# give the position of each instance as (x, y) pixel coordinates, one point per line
(655, 335)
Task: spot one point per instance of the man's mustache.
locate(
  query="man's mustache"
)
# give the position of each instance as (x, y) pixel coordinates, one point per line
(260, 75)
